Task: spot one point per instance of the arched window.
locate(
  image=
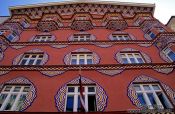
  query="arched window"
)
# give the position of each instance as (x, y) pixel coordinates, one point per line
(95, 98)
(81, 56)
(132, 56)
(31, 57)
(148, 93)
(17, 94)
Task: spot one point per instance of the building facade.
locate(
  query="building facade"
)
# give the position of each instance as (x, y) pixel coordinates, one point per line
(171, 23)
(122, 56)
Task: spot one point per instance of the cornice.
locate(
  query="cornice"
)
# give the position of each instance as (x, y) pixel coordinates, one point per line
(69, 8)
(101, 42)
(87, 67)
(81, 2)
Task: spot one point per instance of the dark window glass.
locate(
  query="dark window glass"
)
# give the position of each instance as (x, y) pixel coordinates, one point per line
(23, 62)
(38, 62)
(81, 61)
(31, 62)
(132, 60)
(171, 55)
(91, 103)
(70, 102)
(162, 99)
(151, 98)
(89, 61)
(2, 99)
(10, 102)
(141, 98)
(70, 89)
(140, 60)
(152, 35)
(10, 37)
(91, 89)
(74, 61)
(125, 61)
(79, 105)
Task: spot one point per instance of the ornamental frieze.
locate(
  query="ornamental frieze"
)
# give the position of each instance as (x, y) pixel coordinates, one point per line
(69, 9)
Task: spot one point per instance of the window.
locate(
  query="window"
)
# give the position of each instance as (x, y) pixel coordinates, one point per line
(31, 59)
(48, 19)
(12, 97)
(160, 29)
(73, 103)
(81, 18)
(146, 17)
(83, 37)
(11, 36)
(42, 38)
(152, 96)
(151, 34)
(131, 58)
(25, 24)
(170, 54)
(120, 37)
(77, 59)
(2, 31)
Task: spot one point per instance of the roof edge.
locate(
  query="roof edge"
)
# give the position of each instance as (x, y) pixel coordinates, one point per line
(77, 2)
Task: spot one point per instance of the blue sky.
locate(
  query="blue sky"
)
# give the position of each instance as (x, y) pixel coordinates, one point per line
(163, 11)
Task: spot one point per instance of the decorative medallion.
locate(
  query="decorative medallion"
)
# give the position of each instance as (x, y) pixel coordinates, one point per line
(58, 46)
(31, 95)
(142, 79)
(17, 47)
(110, 72)
(52, 73)
(101, 97)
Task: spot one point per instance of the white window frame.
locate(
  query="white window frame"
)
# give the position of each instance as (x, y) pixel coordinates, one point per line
(30, 58)
(11, 92)
(166, 51)
(153, 91)
(85, 57)
(82, 37)
(121, 37)
(76, 94)
(133, 55)
(44, 38)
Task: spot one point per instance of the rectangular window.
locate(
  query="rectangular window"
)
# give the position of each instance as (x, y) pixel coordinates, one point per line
(2, 31)
(73, 102)
(12, 97)
(151, 34)
(25, 24)
(42, 38)
(152, 96)
(77, 59)
(131, 58)
(170, 54)
(82, 37)
(31, 59)
(120, 37)
(11, 36)
(160, 29)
